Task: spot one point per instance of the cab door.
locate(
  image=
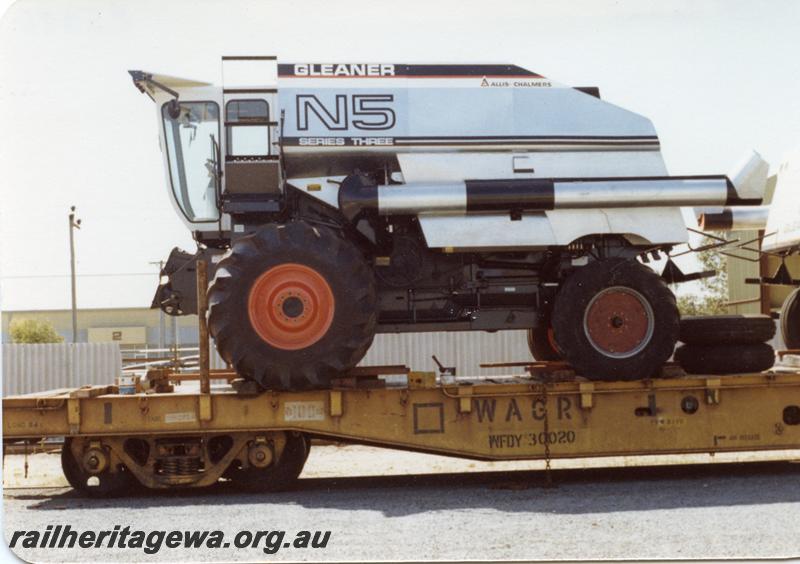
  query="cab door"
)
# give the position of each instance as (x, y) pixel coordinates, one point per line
(252, 175)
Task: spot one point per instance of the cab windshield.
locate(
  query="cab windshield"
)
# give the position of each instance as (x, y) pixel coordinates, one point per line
(192, 152)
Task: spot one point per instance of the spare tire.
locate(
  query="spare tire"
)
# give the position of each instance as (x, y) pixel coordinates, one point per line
(725, 359)
(790, 320)
(292, 306)
(727, 329)
(615, 320)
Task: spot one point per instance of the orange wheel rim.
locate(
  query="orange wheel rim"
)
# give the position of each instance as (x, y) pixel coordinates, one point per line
(291, 306)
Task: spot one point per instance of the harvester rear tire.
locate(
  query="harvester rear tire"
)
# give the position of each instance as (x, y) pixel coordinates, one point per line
(727, 329)
(790, 320)
(725, 359)
(615, 320)
(292, 306)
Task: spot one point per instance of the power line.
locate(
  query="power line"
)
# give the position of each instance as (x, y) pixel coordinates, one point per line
(101, 275)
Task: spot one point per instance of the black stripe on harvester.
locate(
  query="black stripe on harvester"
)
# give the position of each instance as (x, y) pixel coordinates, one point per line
(508, 195)
(249, 58)
(733, 198)
(528, 140)
(464, 70)
(404, 70)
(650, 142)
(534, 137)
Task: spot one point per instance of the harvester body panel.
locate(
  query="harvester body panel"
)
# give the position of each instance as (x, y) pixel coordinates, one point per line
(428, 125)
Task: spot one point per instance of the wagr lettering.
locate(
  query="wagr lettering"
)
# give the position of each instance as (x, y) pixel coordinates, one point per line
(514, 410)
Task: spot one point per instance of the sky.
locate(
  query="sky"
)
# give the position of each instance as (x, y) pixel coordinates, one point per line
(716, 78)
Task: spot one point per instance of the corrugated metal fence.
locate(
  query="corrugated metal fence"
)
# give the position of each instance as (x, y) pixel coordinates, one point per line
(465, 350)
(35, 368)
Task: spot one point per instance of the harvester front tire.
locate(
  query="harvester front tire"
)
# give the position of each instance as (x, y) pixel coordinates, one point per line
(292, 306)
(615, 320)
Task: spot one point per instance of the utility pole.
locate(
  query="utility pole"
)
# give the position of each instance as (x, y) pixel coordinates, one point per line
(162, 326)
(73, 225)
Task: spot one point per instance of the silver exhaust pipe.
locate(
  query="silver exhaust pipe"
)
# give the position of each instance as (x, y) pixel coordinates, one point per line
(357, 194)
(751, 218)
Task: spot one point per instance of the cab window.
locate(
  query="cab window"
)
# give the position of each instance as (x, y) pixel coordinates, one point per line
(247, 126)
(191, 131)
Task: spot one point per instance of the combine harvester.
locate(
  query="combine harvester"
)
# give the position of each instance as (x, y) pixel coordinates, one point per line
(334, 201)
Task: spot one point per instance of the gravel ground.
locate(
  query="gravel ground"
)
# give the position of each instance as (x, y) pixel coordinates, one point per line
(442, 508)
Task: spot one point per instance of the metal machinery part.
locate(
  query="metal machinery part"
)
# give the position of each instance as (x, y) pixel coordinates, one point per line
(751, 218)
(177, 292)
(520, 195)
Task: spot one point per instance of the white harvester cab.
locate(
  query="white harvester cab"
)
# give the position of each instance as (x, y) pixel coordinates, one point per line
(206, 129)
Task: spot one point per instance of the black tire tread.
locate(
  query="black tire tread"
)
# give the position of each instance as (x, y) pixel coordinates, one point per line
(727, 329)
(725, 359)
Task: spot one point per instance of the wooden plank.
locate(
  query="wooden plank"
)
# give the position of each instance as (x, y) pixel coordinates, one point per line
(387, 370)
(93, 391)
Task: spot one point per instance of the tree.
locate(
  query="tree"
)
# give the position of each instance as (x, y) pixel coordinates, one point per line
(33, 331)
(714, 296)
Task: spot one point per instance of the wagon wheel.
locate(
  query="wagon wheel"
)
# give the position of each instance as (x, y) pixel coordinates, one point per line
(94, 484)
(278, 473)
